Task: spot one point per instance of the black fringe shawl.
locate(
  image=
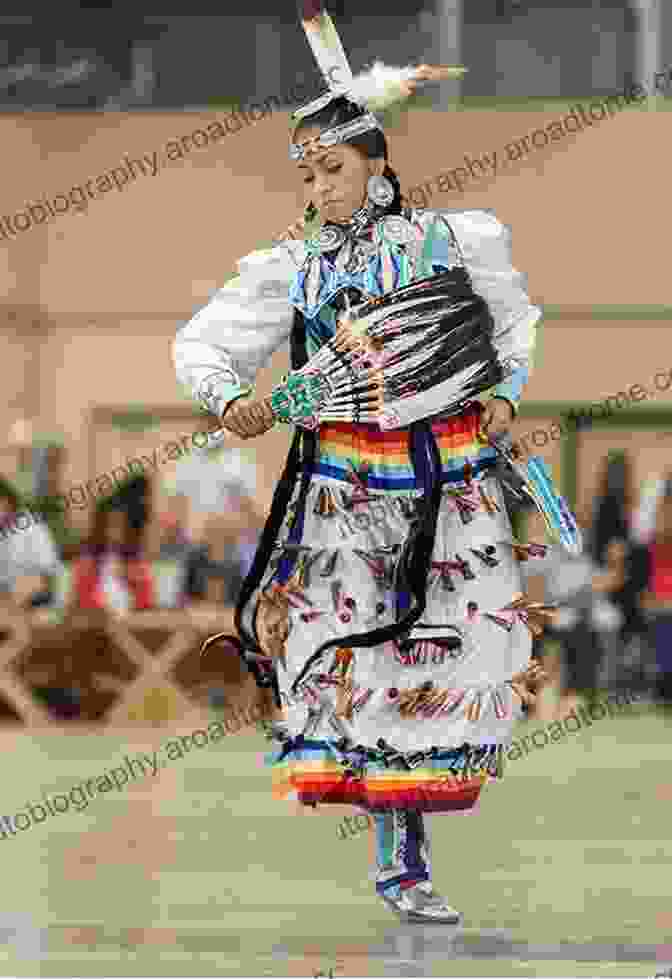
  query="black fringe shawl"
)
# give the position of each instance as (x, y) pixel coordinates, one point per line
(414, 561)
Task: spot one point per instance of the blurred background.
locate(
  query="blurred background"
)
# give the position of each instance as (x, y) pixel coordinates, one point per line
(112, 574)
(92, 55)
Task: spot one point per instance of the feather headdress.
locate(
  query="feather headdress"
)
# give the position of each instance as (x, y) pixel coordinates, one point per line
(373, 91)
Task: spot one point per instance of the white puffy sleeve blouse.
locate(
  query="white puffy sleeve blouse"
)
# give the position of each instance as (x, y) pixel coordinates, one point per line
(219, 352)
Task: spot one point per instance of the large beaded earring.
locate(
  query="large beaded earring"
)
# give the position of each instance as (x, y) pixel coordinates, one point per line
(379, 191)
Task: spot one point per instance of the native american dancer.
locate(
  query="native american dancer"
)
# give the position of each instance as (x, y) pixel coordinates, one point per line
(384, 608)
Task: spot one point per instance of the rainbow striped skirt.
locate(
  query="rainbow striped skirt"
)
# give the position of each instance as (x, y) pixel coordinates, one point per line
(420, 723)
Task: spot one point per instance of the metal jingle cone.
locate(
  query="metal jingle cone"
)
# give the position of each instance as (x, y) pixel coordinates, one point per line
(454, 701)
(488, 560)
(490, 505)
(325, 505)
(499, 705)
(500, 621)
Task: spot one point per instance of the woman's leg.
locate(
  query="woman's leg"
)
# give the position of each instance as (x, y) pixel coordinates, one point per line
(404, 870)
(402, 851)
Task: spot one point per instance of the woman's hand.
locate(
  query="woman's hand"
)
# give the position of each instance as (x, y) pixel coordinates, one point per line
(248, 417)
(497, 417)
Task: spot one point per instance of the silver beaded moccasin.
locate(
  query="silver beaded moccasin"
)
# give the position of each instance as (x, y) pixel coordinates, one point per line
(422, 904)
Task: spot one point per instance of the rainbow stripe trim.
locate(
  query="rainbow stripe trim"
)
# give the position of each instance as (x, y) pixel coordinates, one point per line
(386, 454)
(311, 774)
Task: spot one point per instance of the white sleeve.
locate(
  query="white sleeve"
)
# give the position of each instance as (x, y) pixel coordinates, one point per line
(218, 353)
(486, 248)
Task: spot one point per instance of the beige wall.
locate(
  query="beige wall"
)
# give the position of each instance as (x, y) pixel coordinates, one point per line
(96, 296)
(651, 452)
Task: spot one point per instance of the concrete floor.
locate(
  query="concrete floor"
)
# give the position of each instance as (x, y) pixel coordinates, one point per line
(566, 869)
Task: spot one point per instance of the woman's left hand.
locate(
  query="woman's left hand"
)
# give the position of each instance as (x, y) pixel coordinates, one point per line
(497, 417)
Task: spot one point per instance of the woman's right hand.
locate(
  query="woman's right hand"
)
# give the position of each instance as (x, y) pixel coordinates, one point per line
(248, 417)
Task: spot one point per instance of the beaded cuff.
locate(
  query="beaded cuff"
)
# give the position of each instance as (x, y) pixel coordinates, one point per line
(298, 399)
(217, 390)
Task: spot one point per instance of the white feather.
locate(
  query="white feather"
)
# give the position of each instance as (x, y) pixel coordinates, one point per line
(381, 86)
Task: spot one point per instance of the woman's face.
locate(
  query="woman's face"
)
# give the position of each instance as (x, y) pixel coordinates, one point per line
(335, 179)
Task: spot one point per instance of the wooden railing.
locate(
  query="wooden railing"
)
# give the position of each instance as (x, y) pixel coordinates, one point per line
(143, 667)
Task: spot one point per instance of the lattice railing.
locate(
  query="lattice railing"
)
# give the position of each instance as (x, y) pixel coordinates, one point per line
(137, 655)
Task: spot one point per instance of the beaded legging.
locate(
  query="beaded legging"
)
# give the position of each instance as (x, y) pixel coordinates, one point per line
(403, 856)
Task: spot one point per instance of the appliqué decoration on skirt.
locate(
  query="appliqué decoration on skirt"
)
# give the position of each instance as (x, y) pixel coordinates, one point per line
(428, 700)
(535, 615)
(429, 652)
(381, 562)
(465, 500)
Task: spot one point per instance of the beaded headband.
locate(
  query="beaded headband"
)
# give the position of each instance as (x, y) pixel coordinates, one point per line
(332, 137)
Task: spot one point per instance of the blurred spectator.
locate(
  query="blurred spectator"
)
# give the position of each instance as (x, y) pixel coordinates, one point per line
(626, 662)
(251, 525)
(659, 594)
(182, 565)
(225, 570)
(111, 572)
(644, 519)
(29, 562)
(214, 478)
(585, 619)
(220, 484)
